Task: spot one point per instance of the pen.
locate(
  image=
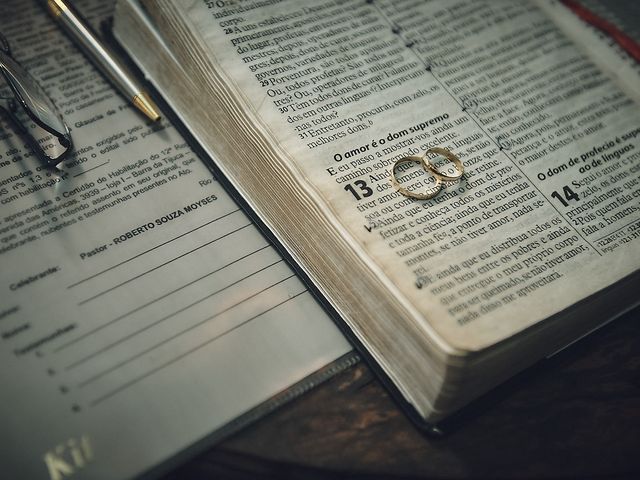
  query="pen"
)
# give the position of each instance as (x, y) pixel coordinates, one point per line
(80, 31)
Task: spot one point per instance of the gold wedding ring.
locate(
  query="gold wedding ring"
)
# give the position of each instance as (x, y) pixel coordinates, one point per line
(449, 156)
(428, 167)
(432, 192)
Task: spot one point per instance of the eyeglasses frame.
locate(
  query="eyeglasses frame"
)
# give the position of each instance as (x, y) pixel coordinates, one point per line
(63, 137)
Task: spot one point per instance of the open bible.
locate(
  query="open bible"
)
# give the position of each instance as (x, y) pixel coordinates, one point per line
(306, 106)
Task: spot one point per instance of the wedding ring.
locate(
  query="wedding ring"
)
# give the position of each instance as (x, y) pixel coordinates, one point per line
(432, 192)
(449, 156)
(429, 168)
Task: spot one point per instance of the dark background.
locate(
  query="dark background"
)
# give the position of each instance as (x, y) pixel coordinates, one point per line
(576, 415)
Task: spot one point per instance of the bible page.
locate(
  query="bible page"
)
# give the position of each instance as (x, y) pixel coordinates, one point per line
(547, 211)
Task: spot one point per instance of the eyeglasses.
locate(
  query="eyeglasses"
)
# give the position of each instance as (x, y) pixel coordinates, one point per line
(38, 120)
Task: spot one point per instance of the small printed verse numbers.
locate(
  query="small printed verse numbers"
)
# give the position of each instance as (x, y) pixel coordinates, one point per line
(361, 192)
(568, 195)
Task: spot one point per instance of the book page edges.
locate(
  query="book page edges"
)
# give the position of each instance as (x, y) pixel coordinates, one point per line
(436, 384)
(457, 356)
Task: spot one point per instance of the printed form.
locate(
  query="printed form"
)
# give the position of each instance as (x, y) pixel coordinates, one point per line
(141, 310)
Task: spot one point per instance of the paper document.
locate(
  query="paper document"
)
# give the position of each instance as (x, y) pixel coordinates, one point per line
(141, 310)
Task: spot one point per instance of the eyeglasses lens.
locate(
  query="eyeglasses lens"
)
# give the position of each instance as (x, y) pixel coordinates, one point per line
(52, 141)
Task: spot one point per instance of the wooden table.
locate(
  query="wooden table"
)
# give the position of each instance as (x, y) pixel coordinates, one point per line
(575, 415)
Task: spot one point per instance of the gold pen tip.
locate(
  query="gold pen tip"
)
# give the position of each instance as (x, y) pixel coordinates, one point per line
(146, 106)
(55, 8)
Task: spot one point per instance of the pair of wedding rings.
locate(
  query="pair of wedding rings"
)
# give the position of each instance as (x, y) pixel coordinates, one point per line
(431, 169)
